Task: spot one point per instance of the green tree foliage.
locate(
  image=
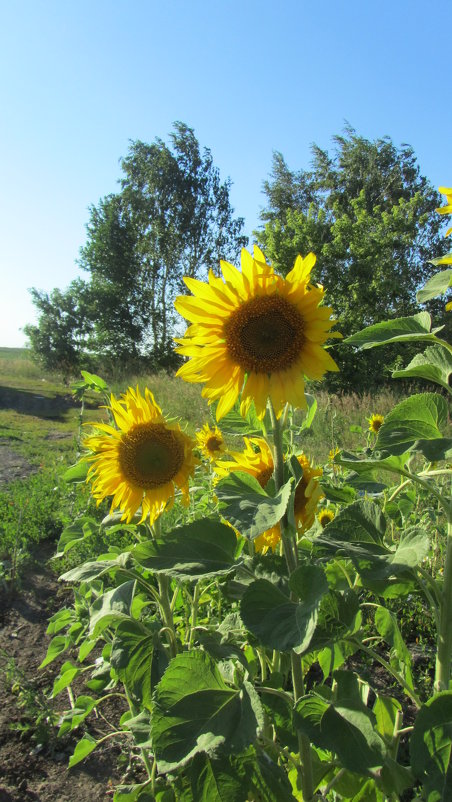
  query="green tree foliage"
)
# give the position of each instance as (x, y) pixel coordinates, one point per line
(368, 215)
(172, 217)
(61, 339)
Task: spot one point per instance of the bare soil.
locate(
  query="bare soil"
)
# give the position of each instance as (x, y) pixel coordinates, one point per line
(30, 771)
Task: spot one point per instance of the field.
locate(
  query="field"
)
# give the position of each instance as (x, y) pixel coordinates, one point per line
(40, 432)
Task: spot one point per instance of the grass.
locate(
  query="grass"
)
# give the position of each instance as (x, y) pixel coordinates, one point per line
(40, 421)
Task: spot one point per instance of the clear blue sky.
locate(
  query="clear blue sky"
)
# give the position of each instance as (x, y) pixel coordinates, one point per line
(80, 78)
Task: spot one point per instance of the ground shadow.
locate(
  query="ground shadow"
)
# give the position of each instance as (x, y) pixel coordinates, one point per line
(28, 402)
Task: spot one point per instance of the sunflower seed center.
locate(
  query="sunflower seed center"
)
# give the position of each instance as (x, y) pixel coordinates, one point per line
(265, 334)
(150, 455)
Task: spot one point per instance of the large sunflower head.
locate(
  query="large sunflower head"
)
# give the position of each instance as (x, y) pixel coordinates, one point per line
(255, 333)
(211, 442)
(143, 461)
(307, 494)
(257, 460)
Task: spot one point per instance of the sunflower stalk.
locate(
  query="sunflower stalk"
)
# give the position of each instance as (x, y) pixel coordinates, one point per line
(444, 647)
(304, 746)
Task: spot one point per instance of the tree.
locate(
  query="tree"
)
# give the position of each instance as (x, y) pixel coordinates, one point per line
(368, 215)
(172, 217)
(60, 340)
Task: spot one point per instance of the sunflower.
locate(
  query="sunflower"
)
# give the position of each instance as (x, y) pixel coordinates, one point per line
(257, 460)
(447, 191)
(307, 494)
(141, 462)
(256, 333)
(211, 442)
(325, 517)
(375, 422)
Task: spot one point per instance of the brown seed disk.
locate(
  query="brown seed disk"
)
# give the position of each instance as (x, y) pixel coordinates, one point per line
(213, 444)
(265, 334)
(264, 476)
(150, 455)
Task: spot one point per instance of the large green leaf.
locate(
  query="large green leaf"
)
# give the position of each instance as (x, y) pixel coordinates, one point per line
(360, 522)
(195, 711)
(436, 285)
(93, 570)
(138, 659)
(434, 365)
(415, 328)
(278, 622)
(339, 615)
(235, 423)
(344, 726)
(199, 549)
(246, 506)
(231, 778)
(413, 421)
(214, 779)
(393, 463)
(112, 607)
(431, 747)
(412, 548)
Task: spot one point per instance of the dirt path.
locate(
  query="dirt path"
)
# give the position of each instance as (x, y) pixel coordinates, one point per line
(29, 771)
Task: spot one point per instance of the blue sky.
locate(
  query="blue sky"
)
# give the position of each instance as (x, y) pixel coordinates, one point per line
(80, 78)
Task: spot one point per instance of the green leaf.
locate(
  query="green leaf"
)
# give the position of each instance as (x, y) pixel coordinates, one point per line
(339, 615)
(436, 285)
(345, 726)
(234, 423)
(112, 606)
(414, 420)
(387, 627)
(278, 622)
(338, 495)
(434, 365)
(78, 530)
(134, 650)
(93, 570)
(360, 522)
(393, 463)
(57, 646)
(82, 750)
(214, 780)
(401, 329)
(74, 717)
(195, 711)
(141, 792)
(310, 412)
(431, 747)
(385, 710)
(199, 549)
(246, 506)
(94, 380)
(77, 472)
(67, 674)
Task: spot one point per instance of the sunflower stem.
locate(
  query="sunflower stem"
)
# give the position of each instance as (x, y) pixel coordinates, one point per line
(444, 647)
(167, 613)
(304, 746)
